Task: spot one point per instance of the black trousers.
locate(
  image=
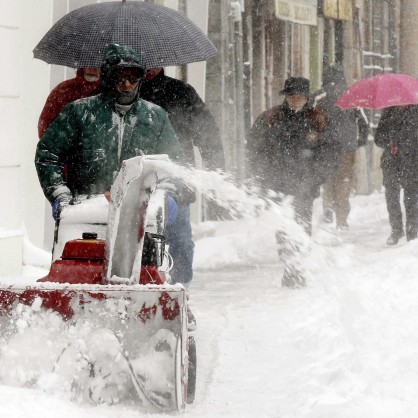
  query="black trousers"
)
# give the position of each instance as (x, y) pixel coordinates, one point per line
(393, 204)
(303, 205)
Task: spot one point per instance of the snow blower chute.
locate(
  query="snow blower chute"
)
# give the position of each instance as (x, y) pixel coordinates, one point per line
(110, 325)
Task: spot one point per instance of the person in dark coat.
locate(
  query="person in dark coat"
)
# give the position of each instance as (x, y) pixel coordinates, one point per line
(397, 134)
(86, 83)
(349, 128)
(289, 154)
(191, 119)
(288, 151)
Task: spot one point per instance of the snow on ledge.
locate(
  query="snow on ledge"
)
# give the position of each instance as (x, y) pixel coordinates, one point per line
(10, 233)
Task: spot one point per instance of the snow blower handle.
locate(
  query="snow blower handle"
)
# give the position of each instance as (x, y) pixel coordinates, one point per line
(61, 202)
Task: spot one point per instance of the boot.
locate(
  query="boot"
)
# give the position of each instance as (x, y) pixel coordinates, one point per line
(411, 233)
(343, 226)
(394, 237)
(328, 216)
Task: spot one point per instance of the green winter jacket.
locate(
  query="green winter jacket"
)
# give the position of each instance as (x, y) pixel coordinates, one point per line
(91, 140)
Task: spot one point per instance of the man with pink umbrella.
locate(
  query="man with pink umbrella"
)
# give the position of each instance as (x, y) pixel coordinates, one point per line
(397, 134)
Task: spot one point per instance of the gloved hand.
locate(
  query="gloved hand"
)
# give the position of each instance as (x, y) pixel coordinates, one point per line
(172, 209)
(59, 203)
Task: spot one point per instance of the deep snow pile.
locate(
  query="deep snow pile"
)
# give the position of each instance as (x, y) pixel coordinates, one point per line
(345, 346)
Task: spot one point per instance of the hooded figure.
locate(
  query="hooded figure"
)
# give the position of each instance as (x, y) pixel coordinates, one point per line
(118, 58)
(92, 136)
(349, 130)
(347, 126)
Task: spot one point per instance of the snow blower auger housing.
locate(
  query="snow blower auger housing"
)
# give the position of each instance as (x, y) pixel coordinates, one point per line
(113, 327)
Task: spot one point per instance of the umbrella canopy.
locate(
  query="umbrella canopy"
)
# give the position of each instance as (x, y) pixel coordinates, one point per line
(161, 35)
(380, 91)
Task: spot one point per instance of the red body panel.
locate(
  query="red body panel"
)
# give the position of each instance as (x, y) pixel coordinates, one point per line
(83, 262)
(90, 249)
(75, 272)
(151, 275)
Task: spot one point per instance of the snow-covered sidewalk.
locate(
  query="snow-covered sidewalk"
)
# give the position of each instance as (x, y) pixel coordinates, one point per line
(344, 346)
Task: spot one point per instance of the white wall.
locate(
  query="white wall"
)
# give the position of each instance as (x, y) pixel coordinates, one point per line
(196, 72)
(35, 18)
(10, 147)
(23, 84)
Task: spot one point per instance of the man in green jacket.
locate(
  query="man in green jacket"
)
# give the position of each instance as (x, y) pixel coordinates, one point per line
(92, 136)
(84, 147)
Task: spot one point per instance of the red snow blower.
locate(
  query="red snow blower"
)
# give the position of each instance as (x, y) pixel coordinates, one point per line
(113, 326)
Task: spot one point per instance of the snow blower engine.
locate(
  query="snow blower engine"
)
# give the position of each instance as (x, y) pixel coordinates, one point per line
(112, 326)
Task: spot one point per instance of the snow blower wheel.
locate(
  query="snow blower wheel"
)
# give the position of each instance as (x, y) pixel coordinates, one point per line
(191, 381)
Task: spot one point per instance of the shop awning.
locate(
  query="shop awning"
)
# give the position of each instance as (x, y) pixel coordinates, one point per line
(298, 11)
(338, 9)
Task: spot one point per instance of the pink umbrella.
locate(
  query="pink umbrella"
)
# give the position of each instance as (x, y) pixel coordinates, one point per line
(379, 91)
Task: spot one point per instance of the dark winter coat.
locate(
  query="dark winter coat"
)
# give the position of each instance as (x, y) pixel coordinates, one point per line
(346, 126)
(289, 153)
(191, 119)
(92, 139)
(397, 134)
(64, 93)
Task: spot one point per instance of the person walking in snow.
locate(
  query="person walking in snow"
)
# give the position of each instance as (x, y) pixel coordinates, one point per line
(87, 138)
(86, 83)
(191, 119)
(397, 134)
(289, 154)
(350, 129)
(288, 151)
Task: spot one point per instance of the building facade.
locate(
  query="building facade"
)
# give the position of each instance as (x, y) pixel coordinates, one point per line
(260, 43)
(265, 41)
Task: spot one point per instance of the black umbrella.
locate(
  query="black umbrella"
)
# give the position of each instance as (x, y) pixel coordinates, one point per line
(161, 35)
